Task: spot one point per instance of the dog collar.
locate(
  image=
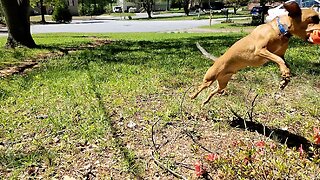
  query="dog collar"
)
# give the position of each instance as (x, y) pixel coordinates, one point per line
(283, 28)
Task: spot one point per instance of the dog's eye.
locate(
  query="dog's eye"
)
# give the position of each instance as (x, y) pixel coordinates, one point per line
(315, 19)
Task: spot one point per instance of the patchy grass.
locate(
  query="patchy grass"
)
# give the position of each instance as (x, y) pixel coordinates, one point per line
(49, 43)
(92, 113)
(38, 18)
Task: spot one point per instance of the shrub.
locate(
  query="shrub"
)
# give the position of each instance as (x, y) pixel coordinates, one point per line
(2, 20)
(61, 12)
(91, 9)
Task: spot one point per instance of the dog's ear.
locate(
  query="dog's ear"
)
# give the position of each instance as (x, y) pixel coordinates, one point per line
(293, 9)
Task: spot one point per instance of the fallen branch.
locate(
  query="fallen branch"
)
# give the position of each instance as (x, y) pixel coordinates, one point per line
(196, 142)
(152, 135)
(156, 148)
(162, 166)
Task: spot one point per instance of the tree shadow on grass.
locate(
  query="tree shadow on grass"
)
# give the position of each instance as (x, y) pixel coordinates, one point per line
(130, 161)
(158, 54)
(282, 136)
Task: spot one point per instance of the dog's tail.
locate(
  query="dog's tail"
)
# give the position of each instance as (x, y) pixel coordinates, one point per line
(205, 53)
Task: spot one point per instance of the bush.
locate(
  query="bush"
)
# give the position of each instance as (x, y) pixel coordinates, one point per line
(61, 13)
(2, 20)
(91, 9)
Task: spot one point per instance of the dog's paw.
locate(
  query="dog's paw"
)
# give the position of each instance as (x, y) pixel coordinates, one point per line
(284, 82)
(204, 103)
(286, 74)
(192, 96)
(223, 92)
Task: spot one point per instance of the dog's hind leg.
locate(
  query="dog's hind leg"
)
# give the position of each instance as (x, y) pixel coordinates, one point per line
(222, 83)
(204, 85)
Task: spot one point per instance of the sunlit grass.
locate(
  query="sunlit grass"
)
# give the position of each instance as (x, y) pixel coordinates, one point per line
(78, 110)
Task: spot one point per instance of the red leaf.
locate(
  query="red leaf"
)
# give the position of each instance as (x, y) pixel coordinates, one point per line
(212, 157)
(260, 144)
(301, 151)
(316, 136)
(199, 168)
(273, 146)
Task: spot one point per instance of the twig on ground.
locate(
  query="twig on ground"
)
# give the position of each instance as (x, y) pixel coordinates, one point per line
(156, 148)
(187, 166)
(250, 113)
(196, 142)
(239, 118)
(162, 166)
(152, 135)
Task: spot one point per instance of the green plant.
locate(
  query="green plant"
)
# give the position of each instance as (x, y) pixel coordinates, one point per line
(61, 12)
(2, 20)
(70, 116)
(87, 8)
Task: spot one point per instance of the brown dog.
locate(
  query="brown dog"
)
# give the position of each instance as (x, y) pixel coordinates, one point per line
(266, 42)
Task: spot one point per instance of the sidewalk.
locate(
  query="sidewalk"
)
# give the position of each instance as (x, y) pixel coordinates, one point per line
(138, 16)
(3, 29)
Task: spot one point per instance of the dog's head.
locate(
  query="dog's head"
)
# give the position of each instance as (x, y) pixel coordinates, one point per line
(302, 21)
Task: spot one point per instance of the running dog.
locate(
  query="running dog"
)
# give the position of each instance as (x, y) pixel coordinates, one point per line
(267, 42)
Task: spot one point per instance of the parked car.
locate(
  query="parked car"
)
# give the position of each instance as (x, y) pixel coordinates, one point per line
(132, 10)
(117, 9)
(256, 11)
(279, 10)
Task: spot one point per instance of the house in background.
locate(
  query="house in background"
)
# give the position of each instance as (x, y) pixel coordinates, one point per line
(302, 3)
(73, 7)
(159, 5)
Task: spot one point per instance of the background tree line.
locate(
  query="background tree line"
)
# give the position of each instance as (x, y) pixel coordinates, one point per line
(17, 13)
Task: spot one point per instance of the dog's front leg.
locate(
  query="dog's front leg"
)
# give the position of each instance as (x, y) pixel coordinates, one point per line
(285, 71)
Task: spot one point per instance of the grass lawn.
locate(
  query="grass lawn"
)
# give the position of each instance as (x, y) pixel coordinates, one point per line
(241, 25)
(100, 112)
(48, 18)
(195, 17)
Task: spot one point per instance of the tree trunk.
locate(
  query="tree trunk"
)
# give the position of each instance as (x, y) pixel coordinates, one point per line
(148, 7)
(43, 20)
(186, 7)
(17, 18)
(263, 5)
(95, 7)
(149, 14)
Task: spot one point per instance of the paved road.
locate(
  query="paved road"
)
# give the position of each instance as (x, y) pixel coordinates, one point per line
(99, 26)
(103, 24)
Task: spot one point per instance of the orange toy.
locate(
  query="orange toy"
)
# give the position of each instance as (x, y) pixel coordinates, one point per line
(315, 37)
